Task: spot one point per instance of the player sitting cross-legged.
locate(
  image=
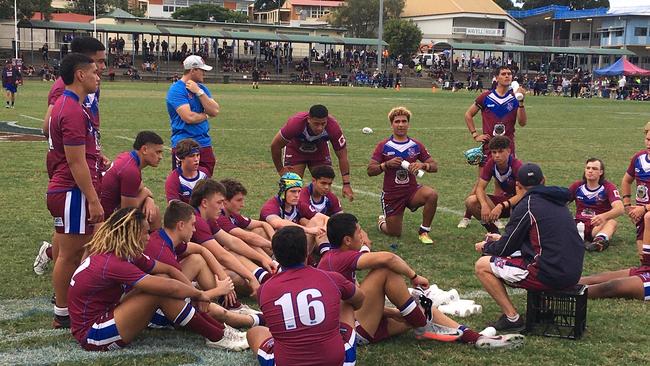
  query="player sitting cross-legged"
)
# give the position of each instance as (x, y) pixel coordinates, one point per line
(386, 279)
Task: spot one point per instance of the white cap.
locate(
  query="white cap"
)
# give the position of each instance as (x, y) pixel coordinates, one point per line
(195, 62)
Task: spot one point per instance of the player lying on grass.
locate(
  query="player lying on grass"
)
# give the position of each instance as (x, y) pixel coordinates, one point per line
(386, 279)
(309, 312)
(598, 204)
(282, 210)
(181, 181)
(254, 232)
(103, 317)
(122, 184)
(171, 245)
(503, 166)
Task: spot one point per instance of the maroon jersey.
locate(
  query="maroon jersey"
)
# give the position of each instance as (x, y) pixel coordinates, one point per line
(639, 168)
(499, 113)
(91, 102)
(308, 208)
(301, 306)
(179, 187)
(506, 178)
(227, 222)
(343, 262)
(10, 75)
(203, 231)
(123, 178)
(397, 179)
(302, 145)
(274, 207)
(590, 203)
(97, 286)
(161, 248)
(71, 125)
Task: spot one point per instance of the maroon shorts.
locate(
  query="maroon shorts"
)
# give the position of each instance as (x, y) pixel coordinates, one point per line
(70, 212)
(394, 203)
(589, 228)
(103, 335)
(380, 334)
(498, 198)
(293, 157)
(643, 272)
(640, 227)
(207, 161)
(515, 273)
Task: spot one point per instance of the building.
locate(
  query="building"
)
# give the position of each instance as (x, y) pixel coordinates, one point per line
(165, 8)
(621, 26)
(297, 12)
(467, 21)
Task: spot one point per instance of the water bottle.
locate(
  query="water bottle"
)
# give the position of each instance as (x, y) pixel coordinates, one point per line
(581, 230)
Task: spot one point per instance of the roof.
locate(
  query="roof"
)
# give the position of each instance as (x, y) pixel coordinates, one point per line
(117, 13)
(325, 3)
(622, 67)
(539, 49)
(559, 12)
(417, 8)
(64, 17)
(195, 32)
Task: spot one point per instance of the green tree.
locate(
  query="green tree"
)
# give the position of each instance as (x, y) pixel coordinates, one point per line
(208, 11)
(26, 8)
(268, 4)
(403, 37)
(360, 17)
(505, 4)
(575, 4)
(86, 6)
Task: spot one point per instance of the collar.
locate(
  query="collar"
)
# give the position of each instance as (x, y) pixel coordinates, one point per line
(71, 94)
(295, 266)
(134, 155)
(166, 238)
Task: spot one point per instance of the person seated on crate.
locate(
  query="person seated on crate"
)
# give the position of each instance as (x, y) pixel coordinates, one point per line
(542, 230)
(629, 283)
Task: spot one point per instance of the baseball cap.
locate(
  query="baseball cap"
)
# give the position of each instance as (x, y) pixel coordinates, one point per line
(195, 62)
(530, 175)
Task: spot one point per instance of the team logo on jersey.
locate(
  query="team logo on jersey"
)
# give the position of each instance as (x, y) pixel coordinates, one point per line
(499, 129)
(411, 151)
(402, 176)
(499, 262)
(510, 106)
(616, 194)
(58, 221)
(308, 147)
(641, 193)
(341, 140)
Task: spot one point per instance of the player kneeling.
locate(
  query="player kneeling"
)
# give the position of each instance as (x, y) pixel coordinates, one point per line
(103, 318)
(308, 325)
(386, 279)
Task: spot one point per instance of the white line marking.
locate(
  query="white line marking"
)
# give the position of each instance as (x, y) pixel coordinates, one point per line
(480, 294)
(30, 117)
(377, 195)
(16, 125)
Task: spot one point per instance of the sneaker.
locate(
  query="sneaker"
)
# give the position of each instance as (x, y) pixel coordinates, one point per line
(425, 239)
(7, 106)
(381, 219)
(504, 324)
(41, 261)
(506, 341)
(499, 224)
(61, 322)
(53, 299)
(464, 223)
(438, 332)
(232, 340)
(597, 245)
(245, 310)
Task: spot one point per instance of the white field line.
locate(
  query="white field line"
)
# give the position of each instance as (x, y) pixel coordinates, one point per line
(15, 124)
(31, 117)
(377, 195)
(17, 308)
(19, 337)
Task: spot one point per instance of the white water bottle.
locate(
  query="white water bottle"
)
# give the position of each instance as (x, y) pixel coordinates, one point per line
(406, 165)
(515, 89)
(581, 229)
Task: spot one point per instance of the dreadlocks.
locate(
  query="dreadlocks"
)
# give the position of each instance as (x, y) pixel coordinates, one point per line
(120, 234)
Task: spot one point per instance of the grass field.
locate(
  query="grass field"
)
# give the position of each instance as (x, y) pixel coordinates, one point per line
(561, 133)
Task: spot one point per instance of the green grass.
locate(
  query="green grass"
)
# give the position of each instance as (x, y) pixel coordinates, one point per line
(560, 135)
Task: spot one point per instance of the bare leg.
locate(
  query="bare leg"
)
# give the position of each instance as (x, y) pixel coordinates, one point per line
(194, 267)
(71, 249)
(256, 336)
(494, 286)
(233, 319)
(298, 169)
(628, 288)
(427, 197)
(604, 277)
(393, 225)
(609, 228)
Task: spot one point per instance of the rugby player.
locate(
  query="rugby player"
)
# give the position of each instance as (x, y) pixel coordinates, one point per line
(11, 78)
(181, 181)
(638, 172)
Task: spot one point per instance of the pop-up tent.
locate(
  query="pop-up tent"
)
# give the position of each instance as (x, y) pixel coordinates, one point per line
(622, 67)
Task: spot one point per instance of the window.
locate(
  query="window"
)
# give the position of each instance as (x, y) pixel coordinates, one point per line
(645, 60)
(575, 36)
(605, 34)
(585, 36)
(596, 35)
(618, 33)
(633, 59)
(640, 31)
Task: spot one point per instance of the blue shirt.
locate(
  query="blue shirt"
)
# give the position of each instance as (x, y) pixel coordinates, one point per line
(177, 96)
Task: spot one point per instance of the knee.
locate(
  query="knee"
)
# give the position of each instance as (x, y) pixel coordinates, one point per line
(471, 201)
(194, 260)
(482, 266)
(646, 218)
(432, 196)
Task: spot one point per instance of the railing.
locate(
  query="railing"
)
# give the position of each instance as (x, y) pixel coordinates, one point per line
(481, 32)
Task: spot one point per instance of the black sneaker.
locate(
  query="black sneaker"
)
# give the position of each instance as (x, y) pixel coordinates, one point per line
(504, 324)
(61, 322)
(597, 245)
(53, 299)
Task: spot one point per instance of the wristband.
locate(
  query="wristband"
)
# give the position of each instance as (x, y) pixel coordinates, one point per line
(627, 196)
(521, 106)
(346, 183)
(502, 205)
(472, 132)
(509, 204)
(344, 174)
(627, 204)
(415, 275)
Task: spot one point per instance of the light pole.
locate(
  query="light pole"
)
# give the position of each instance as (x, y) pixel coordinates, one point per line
(95, 18)
(380, 32)
(16, 28)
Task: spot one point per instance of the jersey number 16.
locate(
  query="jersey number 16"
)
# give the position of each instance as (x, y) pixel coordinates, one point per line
(310, 313)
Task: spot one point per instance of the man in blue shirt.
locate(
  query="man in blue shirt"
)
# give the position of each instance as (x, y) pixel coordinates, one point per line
(190, 104)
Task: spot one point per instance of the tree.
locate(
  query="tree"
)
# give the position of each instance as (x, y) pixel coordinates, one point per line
(268, 4)
(360, 17)
(86, 6)
(574, 4)
(209, 12)
(505, 4)
(403, 37)
(26, 8)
